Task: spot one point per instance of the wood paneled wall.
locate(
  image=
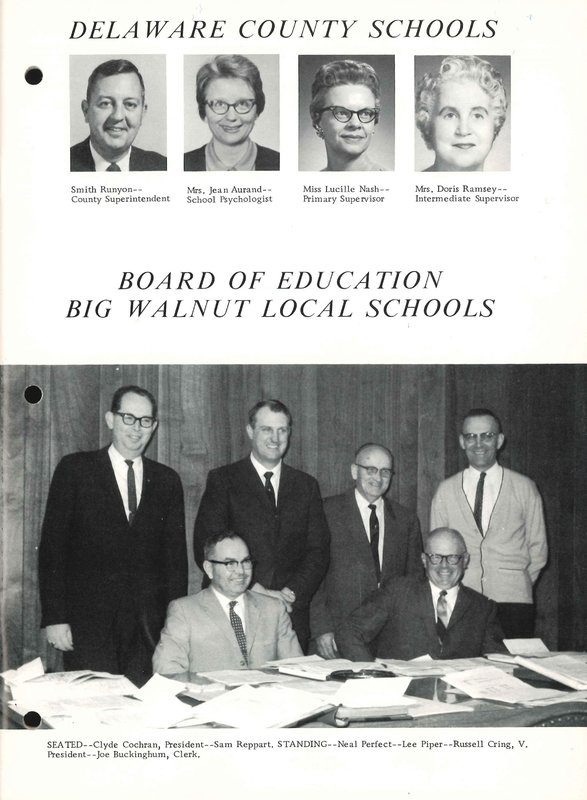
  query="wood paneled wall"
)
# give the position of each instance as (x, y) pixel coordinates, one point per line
(415, 410)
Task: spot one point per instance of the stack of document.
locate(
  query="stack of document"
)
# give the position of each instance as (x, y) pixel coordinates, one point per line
(566, 669)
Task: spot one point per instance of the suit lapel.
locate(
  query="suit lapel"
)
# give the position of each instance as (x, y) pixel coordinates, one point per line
(252, 482)
(462, 604)
(356, 528)
(391, 542)
(252, 616)
(425, 611)
(217, 616)
(108, 480)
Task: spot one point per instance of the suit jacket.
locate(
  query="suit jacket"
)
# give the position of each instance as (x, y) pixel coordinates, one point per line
(90, 558)
(351, 575)
(80, 159)
(267, 160)
(198, 636)
(402, 615)
(289, 545)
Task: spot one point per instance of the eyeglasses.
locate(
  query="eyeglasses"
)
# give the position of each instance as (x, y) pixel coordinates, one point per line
(232, 564)
(130, 419)
(373, 471)
(488, 437)
(451, 560)
(221, 106)
(343, 114)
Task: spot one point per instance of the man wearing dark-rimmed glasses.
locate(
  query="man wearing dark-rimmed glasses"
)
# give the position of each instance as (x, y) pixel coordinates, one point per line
(499, 513)
(225, 626)
(372, 539)
(433, 615)
(113, 551)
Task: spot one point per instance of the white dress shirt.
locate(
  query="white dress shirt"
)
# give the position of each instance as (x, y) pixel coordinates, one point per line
(239, 608)
(101, 164)
(261, 470)
(451, 598)
(491, 488)
(365, 511)
(120, 468)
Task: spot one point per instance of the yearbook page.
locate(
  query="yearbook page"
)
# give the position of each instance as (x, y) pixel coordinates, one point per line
(374, 212)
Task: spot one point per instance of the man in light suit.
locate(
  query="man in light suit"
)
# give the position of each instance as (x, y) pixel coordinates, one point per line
(113, 551)
(499, 513)
(114, 107)
(435, 615)
(224, 626)
(373, 539)
(277, 509)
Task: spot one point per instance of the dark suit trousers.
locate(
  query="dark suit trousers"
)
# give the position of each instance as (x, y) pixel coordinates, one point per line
(126, 649)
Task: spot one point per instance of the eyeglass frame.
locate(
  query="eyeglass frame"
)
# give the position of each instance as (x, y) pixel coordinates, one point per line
(372, 471)
(459, 557)
(487, 437)
(123, 414)
(232, 564)
(231, 105)
(375, 112)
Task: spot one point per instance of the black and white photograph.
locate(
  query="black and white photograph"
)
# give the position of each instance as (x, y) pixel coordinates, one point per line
(112, 103)
(346, 113)
(234, 99)
(463, 113)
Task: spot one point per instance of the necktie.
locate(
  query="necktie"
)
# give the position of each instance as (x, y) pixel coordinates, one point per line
(269, 488)
(237, 627)
(132, 491)
(441, 615)
(374, 537)
(113, 168)
(478, 510)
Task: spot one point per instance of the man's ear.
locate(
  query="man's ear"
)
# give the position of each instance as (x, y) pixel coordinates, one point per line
(208, 569)
(109, 417)
(249, 432)
(85, 109)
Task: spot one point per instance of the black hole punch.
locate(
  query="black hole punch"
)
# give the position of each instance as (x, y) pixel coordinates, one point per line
(33, 75)
(32, 719)
(33, 394)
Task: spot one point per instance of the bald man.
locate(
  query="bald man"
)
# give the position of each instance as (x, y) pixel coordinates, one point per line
(373, 539)
(434, 615)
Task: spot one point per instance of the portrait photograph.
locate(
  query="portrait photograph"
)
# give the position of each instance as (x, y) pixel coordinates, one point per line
(117, 113)
(462, 113)
(346, 113)
(231, 113)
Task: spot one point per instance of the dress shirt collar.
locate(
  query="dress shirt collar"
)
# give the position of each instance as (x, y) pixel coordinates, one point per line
(120, 460)
(225, 601)
(492, 475)
(364, 504)
(261, 470)
(245, 164)
(102, 164)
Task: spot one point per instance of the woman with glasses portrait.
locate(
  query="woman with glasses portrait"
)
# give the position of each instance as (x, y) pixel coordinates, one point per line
(230, 98)
(345, 109)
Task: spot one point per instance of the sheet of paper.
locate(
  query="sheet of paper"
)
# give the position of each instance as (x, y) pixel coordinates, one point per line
(374, 692)
(158, 688)
(526, 647)
(567, 669)
(28, 671)
(240, 677)
(491, 683)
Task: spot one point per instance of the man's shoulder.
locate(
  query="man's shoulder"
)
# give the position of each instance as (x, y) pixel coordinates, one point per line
(265, 604)
(227, 471)
(147, 161)
(518, 480)
(452, 482)
(195, 160)
(80, 157)
(297, 475)
(475, 597)
(400, 512)
(83, 459)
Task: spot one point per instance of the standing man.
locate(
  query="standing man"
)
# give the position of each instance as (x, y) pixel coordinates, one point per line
(372, 539)
(113, 108)
(276, 509)
(499, 513)
(113, 550)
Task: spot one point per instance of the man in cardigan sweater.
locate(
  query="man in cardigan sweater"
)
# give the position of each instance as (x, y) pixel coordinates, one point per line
(499, 513)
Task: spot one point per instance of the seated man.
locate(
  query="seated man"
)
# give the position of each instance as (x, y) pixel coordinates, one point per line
(434, 616)
(224, 626)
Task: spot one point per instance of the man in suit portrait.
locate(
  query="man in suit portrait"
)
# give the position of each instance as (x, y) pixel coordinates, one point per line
(114, 108)
(277, 510)
(433, 615)
(499, 513)
(372, 539)
(113, 550)
(225, 626)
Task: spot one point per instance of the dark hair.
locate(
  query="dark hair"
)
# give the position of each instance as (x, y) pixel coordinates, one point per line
(273, 405)
(482, 412)
(117, 66)
(211, 542)
(369, 445)
(229, 67)
(339, 73)
(119, 394)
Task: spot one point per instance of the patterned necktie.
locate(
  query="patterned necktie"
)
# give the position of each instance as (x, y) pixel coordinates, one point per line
(478, 510)
(113, 168)
(269, 488)
(132, 491)
(441, 615)
(237, 627)
(374, 538)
